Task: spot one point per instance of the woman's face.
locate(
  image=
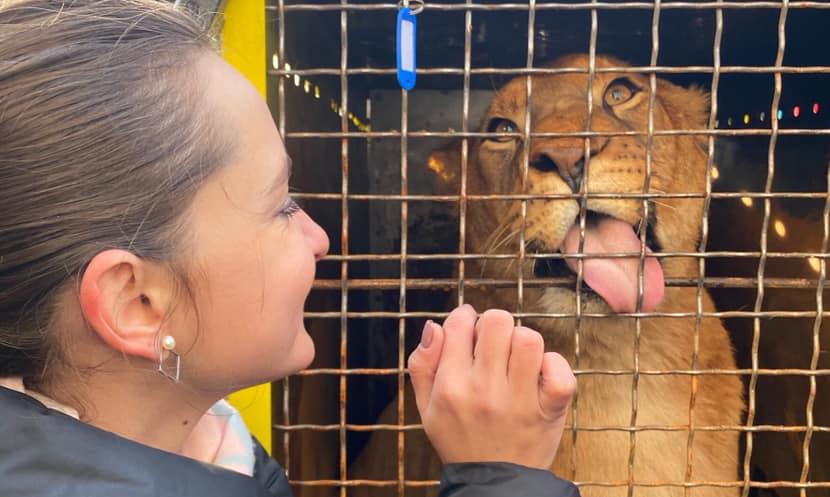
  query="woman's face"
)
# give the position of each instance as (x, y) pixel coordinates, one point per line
(251, 252)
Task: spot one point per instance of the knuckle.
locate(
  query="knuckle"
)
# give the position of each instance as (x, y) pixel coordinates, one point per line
(415, 362)
(561, 388)
(528, 339)
(478, 390)
(488, 408)
(448, 396)
(459, 319)
(563, 383)
(496, 318)
(484, 400)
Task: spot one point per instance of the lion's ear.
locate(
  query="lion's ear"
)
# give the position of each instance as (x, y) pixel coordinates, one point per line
(445, 163)
(688, 108)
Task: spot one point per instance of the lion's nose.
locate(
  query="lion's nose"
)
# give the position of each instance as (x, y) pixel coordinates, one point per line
(568, 161)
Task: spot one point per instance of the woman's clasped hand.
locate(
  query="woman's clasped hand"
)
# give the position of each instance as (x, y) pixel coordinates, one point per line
(487, 390)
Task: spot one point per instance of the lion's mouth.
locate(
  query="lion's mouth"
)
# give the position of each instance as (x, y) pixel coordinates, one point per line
(615, 279)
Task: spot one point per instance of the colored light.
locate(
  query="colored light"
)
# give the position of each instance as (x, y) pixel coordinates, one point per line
(729, 122)
(815, 264)
(763, 116)
(780, 229)
(715, 173)
(307, 86)
(815, 108)
(316, 91)
(296, 80)
(796, 111)
(747, 201)
(746, 118)
(780, 114)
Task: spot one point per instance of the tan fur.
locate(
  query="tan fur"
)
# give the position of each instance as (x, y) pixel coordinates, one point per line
(609, 344)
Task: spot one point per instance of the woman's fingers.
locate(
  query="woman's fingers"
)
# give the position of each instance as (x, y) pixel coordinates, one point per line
(459, 336)
(526, 351)
(494, 331)
(423, 363)
(486, 390)
(556, 387)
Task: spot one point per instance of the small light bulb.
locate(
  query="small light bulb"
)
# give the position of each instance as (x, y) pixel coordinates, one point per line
(815, 264)
(747, 201)
(780, 229)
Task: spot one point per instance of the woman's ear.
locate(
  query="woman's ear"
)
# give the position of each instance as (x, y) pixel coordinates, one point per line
(125, 300)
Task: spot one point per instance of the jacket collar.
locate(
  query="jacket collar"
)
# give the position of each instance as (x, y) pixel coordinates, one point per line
(45, 452)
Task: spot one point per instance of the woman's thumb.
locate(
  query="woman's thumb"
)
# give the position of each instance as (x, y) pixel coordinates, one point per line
(556, 386)
(423, 363)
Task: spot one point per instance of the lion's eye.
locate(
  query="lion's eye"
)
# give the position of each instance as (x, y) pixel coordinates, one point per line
(620, 90)
(501, 125)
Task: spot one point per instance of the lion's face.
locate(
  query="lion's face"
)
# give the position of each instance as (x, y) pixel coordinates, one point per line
(617, 165)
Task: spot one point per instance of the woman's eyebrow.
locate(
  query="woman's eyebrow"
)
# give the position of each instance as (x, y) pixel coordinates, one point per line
(281, 178)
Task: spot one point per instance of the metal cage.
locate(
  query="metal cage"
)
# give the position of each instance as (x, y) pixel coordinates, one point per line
(399, 253)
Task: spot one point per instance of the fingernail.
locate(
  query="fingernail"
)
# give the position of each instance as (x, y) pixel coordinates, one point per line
(426, 335)
(468, 306)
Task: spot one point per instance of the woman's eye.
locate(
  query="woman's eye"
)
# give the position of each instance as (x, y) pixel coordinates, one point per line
(288, 209)
(501, 125)
(620, 91)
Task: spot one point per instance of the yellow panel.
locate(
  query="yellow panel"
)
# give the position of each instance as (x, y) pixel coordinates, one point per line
(243, 46)
(243, 39)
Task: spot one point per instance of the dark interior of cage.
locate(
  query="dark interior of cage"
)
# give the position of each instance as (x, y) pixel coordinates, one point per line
(372, 336)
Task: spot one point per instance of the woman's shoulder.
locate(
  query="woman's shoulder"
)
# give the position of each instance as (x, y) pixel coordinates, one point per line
(44, 452)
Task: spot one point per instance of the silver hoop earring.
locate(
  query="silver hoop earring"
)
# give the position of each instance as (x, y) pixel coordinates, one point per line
(168, 343)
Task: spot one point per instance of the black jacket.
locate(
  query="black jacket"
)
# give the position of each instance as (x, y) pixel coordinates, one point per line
(44, 453)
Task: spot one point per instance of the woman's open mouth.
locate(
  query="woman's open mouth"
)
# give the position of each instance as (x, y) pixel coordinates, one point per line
(615, 279)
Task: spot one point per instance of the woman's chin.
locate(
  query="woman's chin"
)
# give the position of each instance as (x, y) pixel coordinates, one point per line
(303, 353)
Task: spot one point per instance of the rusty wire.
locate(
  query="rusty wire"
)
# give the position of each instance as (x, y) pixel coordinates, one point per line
(774, 5)
(404, 283)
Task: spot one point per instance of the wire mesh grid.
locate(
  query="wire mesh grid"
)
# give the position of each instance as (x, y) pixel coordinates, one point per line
(342, 285)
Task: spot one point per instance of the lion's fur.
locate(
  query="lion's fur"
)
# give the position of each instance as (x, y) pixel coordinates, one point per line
(678, 165)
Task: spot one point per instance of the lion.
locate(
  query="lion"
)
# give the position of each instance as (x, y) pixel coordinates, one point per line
(676, 439)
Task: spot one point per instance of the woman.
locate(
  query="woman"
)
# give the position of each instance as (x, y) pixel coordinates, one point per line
(152, 262)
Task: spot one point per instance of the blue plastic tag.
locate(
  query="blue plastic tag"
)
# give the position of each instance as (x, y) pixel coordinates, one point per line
(406, 48)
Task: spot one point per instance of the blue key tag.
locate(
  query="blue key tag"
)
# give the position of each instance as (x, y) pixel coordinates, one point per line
(406, 48)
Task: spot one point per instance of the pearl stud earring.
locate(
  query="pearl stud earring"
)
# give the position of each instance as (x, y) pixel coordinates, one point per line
(168, 343)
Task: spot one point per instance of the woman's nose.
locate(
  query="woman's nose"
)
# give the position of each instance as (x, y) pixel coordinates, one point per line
(318, 238)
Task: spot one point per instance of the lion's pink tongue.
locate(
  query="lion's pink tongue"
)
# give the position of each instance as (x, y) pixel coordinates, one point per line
(615, 279)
